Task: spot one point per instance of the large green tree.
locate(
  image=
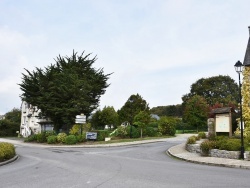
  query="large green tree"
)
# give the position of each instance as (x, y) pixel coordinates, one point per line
(216, 89)
(196, 112)
(62, 90)
(131, 108)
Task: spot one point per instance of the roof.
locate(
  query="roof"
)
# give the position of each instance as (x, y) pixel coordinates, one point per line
(247, 55)
(222, 110)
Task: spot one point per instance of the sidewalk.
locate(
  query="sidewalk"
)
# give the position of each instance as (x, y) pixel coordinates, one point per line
(180, 152)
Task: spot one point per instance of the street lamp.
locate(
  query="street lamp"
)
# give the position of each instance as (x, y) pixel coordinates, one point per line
(238, 68)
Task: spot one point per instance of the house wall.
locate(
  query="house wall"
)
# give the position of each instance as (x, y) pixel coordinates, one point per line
(30, 123)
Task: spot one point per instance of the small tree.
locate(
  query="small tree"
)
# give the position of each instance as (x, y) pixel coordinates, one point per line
(196, 112)
(142, 119)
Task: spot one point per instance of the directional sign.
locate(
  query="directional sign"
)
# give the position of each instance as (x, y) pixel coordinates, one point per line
(80, 119)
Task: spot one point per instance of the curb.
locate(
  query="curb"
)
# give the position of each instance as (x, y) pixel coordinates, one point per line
(204, 162)
(9, 161)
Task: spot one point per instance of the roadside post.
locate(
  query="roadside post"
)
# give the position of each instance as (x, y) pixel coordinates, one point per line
(81, 119)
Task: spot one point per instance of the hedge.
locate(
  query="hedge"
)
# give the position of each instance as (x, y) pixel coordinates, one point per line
(7, 151)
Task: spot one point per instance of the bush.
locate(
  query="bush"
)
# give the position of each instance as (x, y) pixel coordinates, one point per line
(75, 130)
(61, 137)
(7, 151)
(166, 125)
(50, 133)
(229, 144)
(207, 145)
(101, 134)
(70, 140)
(150, 131)
(134, 133)
(81, 138)
(52, 139)
(41, 137)
(121, 131)
(202, 135)
(31, 138)
(191, 140)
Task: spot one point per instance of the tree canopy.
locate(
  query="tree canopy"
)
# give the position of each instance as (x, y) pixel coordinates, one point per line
(217, 89)
(196, 112)
(132, 107)
(106, 116)
(62, 90)
(170, 110)
(142, 119)
(11, 123)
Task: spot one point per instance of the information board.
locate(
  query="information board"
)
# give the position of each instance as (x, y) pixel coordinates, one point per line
(222, 123)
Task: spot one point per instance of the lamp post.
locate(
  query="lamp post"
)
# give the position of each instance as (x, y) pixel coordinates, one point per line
(238, 68)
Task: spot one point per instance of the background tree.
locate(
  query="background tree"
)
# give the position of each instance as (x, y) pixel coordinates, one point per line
(142, 119)
(196, 112)
(96, 121)
(11, 123)
(131, 108)
(169, 110)
(109, 116)
(63, 90)
(217, 89)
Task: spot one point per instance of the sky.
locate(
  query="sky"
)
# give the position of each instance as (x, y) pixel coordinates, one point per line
(156, 48)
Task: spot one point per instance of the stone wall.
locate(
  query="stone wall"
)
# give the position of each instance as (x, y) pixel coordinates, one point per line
(224, 154)
(193, 148)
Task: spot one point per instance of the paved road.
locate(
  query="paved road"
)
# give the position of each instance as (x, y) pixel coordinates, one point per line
(145, 165)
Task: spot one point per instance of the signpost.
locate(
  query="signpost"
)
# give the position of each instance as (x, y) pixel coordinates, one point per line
(81, 119)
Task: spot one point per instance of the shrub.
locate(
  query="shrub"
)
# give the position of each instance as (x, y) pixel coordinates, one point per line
(52, 139)
(166, 125)
(75, 130)
(61, 137)
(70, 140)
(229, 144)
(31, 138)
(101, 134)
(202, 135)
(150, 131)
(50, 133)
(121, 131)
(134, 133)
(7, 151)
(207, 145)
(81, 138)
(41, 137)
(191, 140)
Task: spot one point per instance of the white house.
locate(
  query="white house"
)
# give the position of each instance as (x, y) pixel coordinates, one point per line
(30, 121)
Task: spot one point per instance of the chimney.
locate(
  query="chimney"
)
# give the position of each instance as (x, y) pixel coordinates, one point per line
(246, 61)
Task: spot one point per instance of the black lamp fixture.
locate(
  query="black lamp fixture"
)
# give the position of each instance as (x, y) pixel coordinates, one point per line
(238, 67)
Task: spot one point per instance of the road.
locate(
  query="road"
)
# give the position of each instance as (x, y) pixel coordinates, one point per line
(145, 165)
